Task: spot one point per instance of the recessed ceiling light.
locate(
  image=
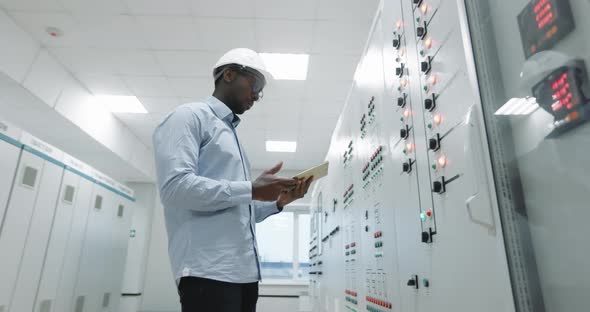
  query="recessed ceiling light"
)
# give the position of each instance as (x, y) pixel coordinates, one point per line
(281, 146)
(518, 107)
(286, 66)
(121, 104)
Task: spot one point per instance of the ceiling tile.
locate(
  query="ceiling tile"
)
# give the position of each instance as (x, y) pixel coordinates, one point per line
(36, 5)
(223, 8)
(159, 104)
(286, 9)
(284, 36)
(330, 67)
(340, 37)
(35, 23)
(149, 86)
(104, 84)
(347, 10)
(135, 62)
(222, 34)
(191, 87)
(95, 7)
(159, 7)
(170, 33)
(110, 31)
(85, 61)
(187, 63)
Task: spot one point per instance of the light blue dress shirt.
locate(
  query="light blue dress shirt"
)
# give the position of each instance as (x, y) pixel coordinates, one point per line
(204, 182)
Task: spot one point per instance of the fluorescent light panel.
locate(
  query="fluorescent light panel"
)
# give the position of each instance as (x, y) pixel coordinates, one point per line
(121, 104)
(281, 146)
(286, 66)
(518, 107)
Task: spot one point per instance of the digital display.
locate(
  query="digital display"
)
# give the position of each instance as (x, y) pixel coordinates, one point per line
(564, 94)
(561, 91)
(543, 23)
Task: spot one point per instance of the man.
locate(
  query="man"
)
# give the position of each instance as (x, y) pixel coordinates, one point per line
(210, 205)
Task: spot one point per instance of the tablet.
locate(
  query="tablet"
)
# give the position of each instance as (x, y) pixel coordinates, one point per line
(317, 172)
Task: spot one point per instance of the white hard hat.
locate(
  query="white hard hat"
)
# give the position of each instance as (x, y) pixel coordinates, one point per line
(245, 57)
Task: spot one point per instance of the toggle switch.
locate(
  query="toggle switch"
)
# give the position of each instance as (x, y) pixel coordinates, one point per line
(401, 101)
(407, 166)
(434, 143)
(397, 42)
(430, 103)
(417, 2)
(413, 282)
(421, 31)
(404, 133)
(400, 70)
(425, 237)
(426, 65)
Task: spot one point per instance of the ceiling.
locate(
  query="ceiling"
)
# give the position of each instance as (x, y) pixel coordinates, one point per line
(163, 53)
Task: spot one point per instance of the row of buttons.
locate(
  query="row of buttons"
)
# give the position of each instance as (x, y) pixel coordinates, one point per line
(378, 302)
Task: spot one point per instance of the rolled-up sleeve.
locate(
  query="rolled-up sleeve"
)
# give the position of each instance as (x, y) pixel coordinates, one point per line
(264, 210)
(176, 147)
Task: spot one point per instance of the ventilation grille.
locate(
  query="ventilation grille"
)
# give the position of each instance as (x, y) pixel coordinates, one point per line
(29, 177)
(45, 306)
(80, 304)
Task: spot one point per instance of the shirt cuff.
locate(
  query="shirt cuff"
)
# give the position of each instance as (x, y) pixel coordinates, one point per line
(241, 192)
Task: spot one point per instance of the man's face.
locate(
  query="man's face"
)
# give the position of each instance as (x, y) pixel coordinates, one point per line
(245, 89)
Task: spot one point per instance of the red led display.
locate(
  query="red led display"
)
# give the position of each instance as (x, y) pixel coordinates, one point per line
(543, 23)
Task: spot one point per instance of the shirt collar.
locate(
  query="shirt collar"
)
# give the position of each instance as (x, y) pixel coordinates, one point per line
(222, 111)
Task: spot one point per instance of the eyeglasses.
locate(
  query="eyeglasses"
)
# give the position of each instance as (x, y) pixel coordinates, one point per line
(257, 80)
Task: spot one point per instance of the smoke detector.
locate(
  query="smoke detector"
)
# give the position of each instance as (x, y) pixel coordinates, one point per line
(54, 32)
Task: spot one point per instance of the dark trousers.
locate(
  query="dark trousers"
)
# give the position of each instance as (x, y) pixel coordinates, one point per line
(205, 295)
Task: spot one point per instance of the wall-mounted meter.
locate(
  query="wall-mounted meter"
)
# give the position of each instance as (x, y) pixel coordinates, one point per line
(564, 94)
(543, 23)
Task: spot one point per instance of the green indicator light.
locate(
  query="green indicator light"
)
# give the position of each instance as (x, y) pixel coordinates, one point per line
(433, 166)
(429, 126)
(423, 216)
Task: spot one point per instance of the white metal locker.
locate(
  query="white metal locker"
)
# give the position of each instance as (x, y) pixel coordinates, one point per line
(22, 243)
(9, 154)
(72, 197)
(121, 240)
(89, 286)
(76, 241)
(31, 266)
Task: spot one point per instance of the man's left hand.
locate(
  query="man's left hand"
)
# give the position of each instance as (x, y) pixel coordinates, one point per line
(298, 192)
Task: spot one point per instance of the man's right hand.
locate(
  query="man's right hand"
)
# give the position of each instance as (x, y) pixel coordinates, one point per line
(268, 187)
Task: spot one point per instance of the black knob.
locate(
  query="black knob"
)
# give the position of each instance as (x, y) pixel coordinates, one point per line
(437, 187)
(420, 31)
(404, 133)
(433, 144)
(425, 237)
(417, 2)
(426, 283)
(401, 101)
(429, 104)
(366, 228)
(413, 282)
(406, 167)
